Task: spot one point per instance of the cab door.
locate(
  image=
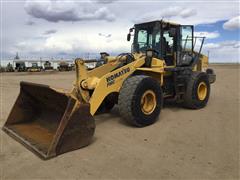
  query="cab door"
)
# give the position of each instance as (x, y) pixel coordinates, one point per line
(186, 45)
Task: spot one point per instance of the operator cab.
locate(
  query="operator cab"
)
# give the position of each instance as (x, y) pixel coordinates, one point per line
(172, 42)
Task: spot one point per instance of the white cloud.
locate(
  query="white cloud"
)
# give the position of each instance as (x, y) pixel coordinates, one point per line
(237, 45)
(208, 35)
(85, 42)
(234, 44)
(175, 11)
(72, 41)
(193, 13)
(51, 31)
(105, 35)
(24, 47)
(104, 1)
(188, 12)
(178, 11)
(211, 46)
(226, 51)
(232, 24)
(30, 23)
(55, 11)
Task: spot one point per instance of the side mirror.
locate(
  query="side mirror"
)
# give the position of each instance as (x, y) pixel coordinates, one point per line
(128, 37)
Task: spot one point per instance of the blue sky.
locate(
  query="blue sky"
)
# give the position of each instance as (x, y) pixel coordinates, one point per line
(69, 29)
(224, 34)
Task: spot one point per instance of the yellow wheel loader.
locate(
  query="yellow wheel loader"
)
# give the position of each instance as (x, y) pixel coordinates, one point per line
(164, 63)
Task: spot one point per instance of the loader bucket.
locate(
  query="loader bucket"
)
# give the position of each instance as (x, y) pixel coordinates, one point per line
(49, 122)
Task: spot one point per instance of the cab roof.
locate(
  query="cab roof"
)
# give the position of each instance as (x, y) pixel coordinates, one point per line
(158, 21)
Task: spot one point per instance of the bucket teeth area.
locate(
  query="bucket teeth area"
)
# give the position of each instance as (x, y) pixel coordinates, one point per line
(36, 136)
(47, 121)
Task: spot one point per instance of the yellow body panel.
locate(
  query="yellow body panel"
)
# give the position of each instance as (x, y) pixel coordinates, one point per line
(203, 62)
(112, 82)
(156, 71)
(109, 77)
(202, 65)
(102, 70)
(105, 80)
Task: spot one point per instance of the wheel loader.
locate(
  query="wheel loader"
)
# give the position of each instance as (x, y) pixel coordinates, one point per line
(35, 68)
(165, 63)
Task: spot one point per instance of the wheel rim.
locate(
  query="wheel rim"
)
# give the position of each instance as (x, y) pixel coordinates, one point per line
(148, 102)
(202, 91)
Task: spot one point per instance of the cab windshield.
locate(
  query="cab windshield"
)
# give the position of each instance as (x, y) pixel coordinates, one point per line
(146, 37)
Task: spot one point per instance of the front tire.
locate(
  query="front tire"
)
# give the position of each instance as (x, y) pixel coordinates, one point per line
(140, 100)
(108, 103)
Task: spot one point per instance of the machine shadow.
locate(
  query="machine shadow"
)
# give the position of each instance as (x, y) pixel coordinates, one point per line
(114, 114)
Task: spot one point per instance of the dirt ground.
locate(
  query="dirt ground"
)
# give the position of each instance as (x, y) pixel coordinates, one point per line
(182, 144)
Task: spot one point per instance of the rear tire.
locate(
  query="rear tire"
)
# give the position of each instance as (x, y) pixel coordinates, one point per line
(197, 91)
(140, 100)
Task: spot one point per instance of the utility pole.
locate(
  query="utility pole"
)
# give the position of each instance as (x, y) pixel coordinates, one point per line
(40, 61)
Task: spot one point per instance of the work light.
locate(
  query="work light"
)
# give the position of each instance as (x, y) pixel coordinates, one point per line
(149, 53)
